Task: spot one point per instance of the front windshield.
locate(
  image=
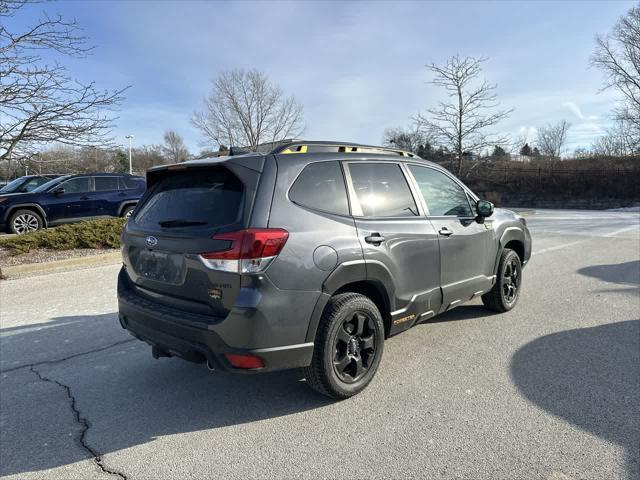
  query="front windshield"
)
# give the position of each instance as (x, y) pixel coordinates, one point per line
(12, 185)
(46, 186)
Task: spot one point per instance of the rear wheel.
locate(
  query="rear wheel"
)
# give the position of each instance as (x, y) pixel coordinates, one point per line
(25, 221)
(506, 291)
(348, 346)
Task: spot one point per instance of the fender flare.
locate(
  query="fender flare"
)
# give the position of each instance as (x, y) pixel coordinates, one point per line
(350, 272)
(13, 208)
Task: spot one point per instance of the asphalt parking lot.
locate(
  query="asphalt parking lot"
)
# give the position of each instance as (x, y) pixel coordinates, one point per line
(550, 390)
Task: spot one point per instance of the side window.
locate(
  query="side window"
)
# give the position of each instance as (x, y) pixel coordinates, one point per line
(76, 185)
(321, 186)
(382, 190)
(127, 183)
(106, 183)
(443, 196)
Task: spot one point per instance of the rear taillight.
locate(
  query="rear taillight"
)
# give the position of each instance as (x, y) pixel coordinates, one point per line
(250, 251)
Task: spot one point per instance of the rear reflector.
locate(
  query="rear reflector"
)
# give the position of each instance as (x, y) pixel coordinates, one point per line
(249, 251)
(244, 361)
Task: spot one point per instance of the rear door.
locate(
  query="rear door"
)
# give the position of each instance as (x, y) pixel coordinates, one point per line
(107, 196)
(467, 248)
(400, 245)
(174, 224)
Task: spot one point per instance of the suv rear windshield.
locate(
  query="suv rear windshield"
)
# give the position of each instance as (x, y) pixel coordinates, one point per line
(193, 198)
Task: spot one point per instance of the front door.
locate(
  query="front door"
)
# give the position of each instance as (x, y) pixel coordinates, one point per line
(400, 245)
(74, 203)
(467, 247)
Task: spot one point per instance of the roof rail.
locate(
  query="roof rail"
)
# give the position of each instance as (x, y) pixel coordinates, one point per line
(303, 146)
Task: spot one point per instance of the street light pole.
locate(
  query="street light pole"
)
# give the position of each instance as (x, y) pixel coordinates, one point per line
(130, 137)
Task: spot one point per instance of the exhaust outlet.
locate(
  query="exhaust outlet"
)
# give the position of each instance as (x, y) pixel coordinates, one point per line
(210, 366)
(159, 353)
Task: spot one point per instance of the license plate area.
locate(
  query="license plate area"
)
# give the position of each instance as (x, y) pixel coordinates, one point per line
(161, 266)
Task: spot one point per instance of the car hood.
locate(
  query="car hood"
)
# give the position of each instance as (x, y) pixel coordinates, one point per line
(19, 197)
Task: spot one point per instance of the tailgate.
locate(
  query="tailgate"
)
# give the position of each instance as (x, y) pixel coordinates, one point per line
(174, 223)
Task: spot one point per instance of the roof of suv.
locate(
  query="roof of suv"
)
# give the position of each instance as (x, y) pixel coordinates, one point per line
(300, 148)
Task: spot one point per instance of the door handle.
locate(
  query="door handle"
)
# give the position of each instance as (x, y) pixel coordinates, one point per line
(84, 197)
(375, 239)
(445, 232)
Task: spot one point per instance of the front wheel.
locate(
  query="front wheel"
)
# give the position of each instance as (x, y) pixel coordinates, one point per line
(25, 221)
(348, 346)
(127, 211)
(506, 291)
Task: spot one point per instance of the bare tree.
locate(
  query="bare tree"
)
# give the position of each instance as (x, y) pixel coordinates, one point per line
(552, 139)
(618, 56)
(461, 123)
(39, 102)
(174, 148)
(619, 140)
(409, 139)
(246, 109)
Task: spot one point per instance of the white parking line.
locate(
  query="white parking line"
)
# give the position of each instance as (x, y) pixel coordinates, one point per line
(557, 247)
(571, 244)
(622, 230)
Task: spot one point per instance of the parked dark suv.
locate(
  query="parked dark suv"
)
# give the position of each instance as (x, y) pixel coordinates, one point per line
(71, 198)
(26, 184)
(309, 256)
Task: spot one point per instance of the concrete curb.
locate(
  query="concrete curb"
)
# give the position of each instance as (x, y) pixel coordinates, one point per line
(55, 266)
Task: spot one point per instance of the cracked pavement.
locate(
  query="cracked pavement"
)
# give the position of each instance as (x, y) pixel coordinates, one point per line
(550, 390)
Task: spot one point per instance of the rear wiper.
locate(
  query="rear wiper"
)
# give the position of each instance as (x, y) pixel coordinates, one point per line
(180, 223)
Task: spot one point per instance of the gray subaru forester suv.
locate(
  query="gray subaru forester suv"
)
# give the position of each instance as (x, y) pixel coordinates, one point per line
(309, 256)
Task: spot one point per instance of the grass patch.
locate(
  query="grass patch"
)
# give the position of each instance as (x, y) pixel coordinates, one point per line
(99, 234)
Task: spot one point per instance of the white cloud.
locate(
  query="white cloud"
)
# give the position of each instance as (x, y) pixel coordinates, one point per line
(573, 107)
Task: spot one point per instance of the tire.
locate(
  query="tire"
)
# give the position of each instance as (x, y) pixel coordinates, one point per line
(127, 211)
(25, 221)
(348, 346)
(505, 293)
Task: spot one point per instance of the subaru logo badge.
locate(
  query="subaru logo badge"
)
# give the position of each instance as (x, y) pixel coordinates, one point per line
(151, 241)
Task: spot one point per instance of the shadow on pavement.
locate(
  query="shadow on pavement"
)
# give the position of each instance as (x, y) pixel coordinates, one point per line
(627, 273)
(127, 397)
(589, 377)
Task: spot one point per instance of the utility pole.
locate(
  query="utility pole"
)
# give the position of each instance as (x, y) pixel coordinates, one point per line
(130, 137)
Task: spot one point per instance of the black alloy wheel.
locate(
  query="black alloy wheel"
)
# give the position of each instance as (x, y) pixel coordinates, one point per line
(354, 347)
(511, 279)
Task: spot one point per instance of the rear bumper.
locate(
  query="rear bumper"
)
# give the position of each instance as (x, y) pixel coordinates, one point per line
(171, 334)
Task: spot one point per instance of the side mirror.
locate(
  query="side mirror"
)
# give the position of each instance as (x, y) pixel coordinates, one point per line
(485, 208)
(58, 190)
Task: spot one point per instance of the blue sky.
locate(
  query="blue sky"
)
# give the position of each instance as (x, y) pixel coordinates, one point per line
(357, 67)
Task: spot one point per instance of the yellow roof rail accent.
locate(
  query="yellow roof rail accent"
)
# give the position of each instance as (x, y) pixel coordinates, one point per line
(298, 149)
(342, 148)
